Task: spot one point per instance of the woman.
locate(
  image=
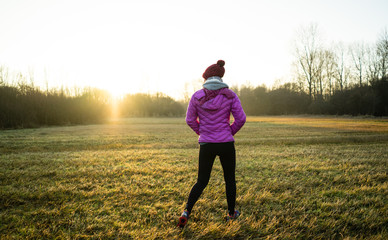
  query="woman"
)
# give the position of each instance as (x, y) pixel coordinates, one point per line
(208, 115)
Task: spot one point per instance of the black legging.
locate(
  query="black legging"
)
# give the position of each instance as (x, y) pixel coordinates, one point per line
(207, 154)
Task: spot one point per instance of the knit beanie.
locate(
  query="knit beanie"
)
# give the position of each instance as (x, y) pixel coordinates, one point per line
(215, 70)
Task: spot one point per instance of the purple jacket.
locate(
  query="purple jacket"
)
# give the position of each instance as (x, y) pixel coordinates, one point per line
(208, 115)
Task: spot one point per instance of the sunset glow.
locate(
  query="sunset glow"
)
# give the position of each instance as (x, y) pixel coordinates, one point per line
(151, 46)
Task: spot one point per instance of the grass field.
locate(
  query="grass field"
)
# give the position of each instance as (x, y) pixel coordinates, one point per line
(297, 177)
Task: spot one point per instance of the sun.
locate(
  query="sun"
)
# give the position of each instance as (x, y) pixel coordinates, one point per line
(116, 92)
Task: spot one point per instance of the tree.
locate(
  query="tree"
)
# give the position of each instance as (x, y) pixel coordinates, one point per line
(342, 71)
(382, 54)
(372, 68)
(3, 75)
(308, 55)
(358, 52)
(319, 74)
(329, 70)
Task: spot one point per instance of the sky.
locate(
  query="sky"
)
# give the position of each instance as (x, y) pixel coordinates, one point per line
(164, 46)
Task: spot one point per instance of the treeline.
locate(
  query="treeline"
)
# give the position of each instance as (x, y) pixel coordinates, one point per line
(339, 78)
(289, 99)
(25, 106)
(147, 105)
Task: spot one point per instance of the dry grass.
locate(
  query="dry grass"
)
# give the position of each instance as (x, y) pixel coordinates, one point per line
(340, 123)
(301, 178)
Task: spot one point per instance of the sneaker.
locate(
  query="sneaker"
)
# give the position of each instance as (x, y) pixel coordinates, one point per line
(183, 219)
(235, 215)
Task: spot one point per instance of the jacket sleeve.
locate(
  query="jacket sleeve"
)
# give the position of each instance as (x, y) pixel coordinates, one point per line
(192, 116)
(238, 114)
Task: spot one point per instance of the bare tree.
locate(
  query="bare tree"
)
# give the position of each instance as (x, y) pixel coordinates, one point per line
(382, 53)
(3, 75)
(358, 53)
(342, 71)
(372, 67)
(307, 51)
(319, 73)
(330, 66)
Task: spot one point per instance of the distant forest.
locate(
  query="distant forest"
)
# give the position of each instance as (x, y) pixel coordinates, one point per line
(25, 106)
(335, 80)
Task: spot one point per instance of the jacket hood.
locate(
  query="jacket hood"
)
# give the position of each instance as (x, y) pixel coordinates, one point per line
(213, 99)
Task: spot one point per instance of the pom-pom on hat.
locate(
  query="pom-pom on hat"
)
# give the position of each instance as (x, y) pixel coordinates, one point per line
(215, 70)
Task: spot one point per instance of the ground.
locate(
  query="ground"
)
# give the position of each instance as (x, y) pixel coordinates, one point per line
(297, 177)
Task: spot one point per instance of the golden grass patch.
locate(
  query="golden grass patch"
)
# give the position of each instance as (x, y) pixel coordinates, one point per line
(352, 124)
